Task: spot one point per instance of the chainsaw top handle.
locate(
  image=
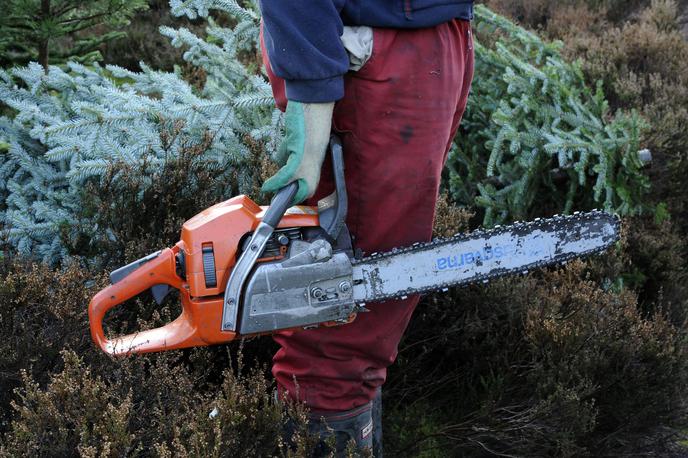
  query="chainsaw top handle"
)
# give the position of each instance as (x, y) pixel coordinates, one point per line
(280, 203)
(333, 215)
(332, 210)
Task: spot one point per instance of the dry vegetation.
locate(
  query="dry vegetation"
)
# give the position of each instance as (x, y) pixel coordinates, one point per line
(61, 397)
(588, 360)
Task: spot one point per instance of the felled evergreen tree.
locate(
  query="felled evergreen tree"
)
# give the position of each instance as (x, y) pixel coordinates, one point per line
(52, 31)
(535, 138)
(70, 126)
(530, 117)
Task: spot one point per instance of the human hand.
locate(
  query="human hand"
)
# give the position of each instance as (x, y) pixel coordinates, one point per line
(303, 148)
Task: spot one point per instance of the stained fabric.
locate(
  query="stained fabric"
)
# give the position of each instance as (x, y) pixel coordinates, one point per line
(397, 118)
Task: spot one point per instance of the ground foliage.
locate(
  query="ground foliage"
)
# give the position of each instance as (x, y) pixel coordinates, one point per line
(558, 363)
(586, 360)
(62, 397)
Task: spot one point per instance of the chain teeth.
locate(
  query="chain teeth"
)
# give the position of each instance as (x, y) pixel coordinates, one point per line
(481, 233)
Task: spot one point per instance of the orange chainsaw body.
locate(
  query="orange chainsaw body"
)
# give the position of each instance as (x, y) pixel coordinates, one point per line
(220, 227)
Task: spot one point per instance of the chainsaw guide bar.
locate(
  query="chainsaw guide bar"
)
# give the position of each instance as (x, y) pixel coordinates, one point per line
(482, 255)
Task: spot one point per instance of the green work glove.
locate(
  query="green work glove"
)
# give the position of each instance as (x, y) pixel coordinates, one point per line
(303, 148)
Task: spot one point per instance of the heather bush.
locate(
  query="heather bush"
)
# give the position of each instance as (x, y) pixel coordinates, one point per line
(60, 396)
(547, 365)
(655, 267)
(75, 412)
(540, 14)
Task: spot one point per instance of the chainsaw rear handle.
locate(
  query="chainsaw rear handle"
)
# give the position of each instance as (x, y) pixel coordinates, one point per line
(161, 269)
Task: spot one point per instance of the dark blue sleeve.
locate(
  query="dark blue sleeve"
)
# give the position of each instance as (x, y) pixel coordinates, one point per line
(302, 39)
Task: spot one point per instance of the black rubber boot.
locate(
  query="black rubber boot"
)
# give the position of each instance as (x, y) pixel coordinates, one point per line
(377, 424)
(356, 424)
(363, 425)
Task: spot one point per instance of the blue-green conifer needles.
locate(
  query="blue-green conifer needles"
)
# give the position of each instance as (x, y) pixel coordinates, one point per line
(535, 139)
(69, 127)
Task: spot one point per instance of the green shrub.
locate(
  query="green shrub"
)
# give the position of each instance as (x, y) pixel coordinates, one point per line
(535, 139)
(644, 65)
(66, 130)
(638, 53)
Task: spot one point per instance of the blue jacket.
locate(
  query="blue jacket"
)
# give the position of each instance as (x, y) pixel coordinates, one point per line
(303, 44)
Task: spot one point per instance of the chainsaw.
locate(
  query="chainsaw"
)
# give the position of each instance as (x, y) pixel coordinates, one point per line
(243, 270)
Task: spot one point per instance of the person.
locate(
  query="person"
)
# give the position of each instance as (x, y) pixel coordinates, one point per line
(392, 79)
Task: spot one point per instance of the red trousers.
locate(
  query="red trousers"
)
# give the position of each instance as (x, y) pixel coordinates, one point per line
(396, 120)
